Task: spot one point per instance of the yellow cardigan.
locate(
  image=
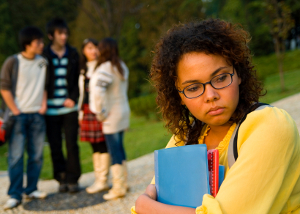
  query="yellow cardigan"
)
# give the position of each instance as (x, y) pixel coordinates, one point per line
(266, 176)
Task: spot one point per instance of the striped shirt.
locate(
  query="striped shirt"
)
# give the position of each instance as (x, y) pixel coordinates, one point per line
(56, 104)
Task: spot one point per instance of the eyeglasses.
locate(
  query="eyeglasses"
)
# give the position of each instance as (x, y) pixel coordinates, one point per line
(217, 82)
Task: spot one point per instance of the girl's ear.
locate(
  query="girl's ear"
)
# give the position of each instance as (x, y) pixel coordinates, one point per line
(240, 80)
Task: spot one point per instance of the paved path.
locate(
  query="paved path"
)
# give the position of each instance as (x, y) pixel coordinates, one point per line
(141, 171)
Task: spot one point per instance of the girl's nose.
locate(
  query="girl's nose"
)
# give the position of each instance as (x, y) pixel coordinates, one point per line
(210, 94)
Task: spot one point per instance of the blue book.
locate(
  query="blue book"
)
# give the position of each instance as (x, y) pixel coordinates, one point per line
(221, 174)
(181, 175)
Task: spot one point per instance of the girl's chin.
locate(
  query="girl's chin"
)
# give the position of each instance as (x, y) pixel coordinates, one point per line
(219, 122)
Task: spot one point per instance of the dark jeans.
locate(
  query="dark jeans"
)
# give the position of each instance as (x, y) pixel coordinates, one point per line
(28, 132)
(65, 170)
(115, 147)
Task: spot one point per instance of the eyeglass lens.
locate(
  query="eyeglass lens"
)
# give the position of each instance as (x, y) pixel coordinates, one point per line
(217, 82)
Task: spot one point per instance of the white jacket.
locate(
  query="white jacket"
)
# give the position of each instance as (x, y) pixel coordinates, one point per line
(108, 97)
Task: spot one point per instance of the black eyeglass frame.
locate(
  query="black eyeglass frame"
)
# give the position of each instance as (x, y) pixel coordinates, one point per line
(206, 84)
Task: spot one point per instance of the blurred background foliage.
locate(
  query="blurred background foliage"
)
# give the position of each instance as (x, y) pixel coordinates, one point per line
(137, 25)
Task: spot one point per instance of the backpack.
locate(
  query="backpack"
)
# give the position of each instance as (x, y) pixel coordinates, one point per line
(6, 121)
(232, 148)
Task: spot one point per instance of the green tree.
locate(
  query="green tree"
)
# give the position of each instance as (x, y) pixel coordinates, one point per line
(137, 26)
(280, 23)
(8, 37)
(38, 13)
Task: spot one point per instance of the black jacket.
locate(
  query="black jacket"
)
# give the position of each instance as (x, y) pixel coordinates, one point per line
(71, 77)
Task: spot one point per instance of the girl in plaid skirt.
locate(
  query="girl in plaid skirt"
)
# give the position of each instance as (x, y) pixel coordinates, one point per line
(90, 127)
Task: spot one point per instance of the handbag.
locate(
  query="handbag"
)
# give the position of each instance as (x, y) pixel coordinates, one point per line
(6, 125)
(2, 133)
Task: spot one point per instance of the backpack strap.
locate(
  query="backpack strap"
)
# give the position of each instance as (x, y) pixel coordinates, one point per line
(232, 148)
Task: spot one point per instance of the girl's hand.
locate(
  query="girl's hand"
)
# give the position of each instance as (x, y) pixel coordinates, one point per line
(79, 122)
(143, 203)
(147, 204)
(151, 191)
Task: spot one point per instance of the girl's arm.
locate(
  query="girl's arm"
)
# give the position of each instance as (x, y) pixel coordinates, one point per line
(266, 173)
(264, 178)
(146, 203)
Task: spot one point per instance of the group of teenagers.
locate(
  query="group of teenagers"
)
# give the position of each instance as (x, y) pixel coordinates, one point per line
(53, 93)
(207, 92)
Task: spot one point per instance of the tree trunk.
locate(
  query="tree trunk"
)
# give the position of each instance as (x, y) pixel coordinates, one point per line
(279, 55)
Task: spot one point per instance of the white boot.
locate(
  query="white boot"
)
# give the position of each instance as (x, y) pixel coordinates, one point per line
(101, 163)
(119, 189)
(124, 163)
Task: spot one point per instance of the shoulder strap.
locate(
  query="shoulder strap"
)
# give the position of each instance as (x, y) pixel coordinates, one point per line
(232, 148)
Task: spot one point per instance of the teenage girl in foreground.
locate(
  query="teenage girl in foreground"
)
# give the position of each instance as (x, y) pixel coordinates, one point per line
(90, 127)
(203, 73)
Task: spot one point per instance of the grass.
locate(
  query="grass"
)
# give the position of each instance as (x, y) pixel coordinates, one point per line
(147, 135)
(272, 85)
(267, 65)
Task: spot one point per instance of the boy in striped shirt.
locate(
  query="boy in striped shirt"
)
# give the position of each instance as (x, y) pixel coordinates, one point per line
(62, 114)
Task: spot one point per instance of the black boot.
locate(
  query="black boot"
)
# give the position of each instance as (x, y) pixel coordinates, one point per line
(63, 187)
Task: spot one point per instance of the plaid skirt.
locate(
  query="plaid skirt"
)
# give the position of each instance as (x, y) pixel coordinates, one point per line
(90, 128)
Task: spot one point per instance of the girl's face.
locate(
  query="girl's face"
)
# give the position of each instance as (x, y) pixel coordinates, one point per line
(215, 106)
(90, 51)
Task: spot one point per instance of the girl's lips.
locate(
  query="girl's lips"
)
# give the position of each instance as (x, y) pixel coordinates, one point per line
(216, 111)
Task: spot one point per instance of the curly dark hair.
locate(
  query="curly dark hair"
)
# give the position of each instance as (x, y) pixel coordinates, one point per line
(211, 36)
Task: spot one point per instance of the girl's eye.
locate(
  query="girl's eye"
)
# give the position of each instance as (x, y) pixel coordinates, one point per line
(194, 88)
(221, 78)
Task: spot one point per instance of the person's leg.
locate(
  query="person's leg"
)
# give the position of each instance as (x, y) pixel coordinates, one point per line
(101, 162)
(36, 136)
(70, 124)
(15, 157)
(114, 143)
(115, 147)
(99, 147)
(54, 134)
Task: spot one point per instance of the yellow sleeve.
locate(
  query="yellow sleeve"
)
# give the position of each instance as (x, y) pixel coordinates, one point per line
(267, 168)
(133, 210)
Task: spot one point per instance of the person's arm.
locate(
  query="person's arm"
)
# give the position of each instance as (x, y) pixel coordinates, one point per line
(147, 204)
(266, 170)
(98, 86)
(6, 84)
(265, 173)
(147, 201)
(43, 108)
(9, 100)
